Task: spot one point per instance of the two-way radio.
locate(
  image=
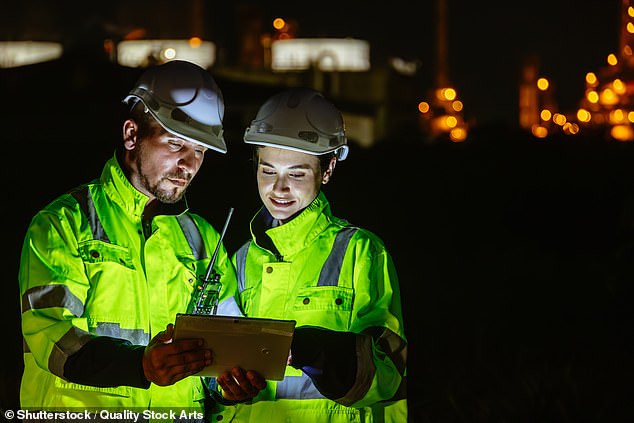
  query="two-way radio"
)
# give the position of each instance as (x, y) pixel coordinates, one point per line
(207, 290)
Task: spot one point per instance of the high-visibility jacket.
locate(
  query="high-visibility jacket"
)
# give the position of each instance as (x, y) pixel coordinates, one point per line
(90, 268)
(319, 271)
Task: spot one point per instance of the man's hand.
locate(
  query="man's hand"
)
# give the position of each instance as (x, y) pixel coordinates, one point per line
(240, 385)
(166, 361)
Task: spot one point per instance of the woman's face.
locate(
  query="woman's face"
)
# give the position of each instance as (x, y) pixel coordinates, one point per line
(288, 181)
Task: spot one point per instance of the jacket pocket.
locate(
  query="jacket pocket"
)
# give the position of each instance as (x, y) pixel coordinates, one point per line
(99, 252)
(311, 303)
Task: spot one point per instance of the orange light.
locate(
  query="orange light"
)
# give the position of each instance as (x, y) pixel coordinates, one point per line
(608, 97)
(446, 94)
(612, 60)
(617, 116)
(592, 96)
(195, 42)
(108, 46)
(591, 78)
(559, 119)
(542, 84)
(451, 121)
(583, 115)
(539, 131)
(450, 94)
(619, 86)
(571, 128)
(622, 133)
(279, 23)
(458, 134)
(423, 107)
(135, 34)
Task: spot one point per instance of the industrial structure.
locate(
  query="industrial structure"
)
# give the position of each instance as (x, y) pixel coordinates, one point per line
(607, 107)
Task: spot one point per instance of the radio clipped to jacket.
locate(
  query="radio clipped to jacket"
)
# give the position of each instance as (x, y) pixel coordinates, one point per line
(207, 290)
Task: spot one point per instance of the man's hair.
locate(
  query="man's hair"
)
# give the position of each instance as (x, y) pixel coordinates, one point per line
(146, 124)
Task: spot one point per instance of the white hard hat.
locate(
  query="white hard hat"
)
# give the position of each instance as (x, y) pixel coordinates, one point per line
(299, 119)
(185, 100)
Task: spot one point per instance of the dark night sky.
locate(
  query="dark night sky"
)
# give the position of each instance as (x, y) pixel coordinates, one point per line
(487, 40)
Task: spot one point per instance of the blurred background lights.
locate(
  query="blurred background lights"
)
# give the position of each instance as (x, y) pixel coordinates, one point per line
(593, 96)
(543, 84)
(326, 54)
(545, 115)
(423, 107)
(622, 133)
(591, 78)
(583, 115)
(458, 134)
(21, 53)
(279, 24)
(539, 131)
(612, 60)
(143, 53)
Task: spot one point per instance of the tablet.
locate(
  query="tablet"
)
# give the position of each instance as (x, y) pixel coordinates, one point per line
(256, 344)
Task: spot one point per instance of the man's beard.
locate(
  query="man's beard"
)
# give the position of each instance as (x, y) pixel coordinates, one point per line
(168, 196)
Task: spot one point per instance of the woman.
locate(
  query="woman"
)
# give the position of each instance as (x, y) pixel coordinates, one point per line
(337, 281)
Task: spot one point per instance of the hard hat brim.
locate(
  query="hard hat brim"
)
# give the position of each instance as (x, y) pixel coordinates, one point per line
(285, 143)
(205, 139)
(211, 137)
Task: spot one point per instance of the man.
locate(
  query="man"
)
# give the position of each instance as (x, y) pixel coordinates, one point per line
(337, 281)
(105, 268)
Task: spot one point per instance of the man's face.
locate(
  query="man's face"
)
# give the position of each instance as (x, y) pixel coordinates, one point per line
(164, 165)
(288, 181)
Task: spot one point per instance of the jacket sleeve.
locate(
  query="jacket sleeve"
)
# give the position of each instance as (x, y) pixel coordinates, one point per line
(107, 362)
(53, 288)
(381, 348)
(328, 357)
(367, 364)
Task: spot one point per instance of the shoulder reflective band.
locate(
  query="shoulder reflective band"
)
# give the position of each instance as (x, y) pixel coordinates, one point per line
(241, 262)
(192, 234)
(83, 197)
(331, 269)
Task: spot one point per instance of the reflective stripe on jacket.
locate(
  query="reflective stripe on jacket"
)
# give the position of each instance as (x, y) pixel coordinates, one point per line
(322, 272)
(87, 269)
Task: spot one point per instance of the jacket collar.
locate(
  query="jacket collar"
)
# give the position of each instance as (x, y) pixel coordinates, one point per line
(125, 195)
(293, 236)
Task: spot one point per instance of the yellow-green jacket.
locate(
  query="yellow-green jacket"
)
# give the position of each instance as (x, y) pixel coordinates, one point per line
(91, 272)
(303, 271)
